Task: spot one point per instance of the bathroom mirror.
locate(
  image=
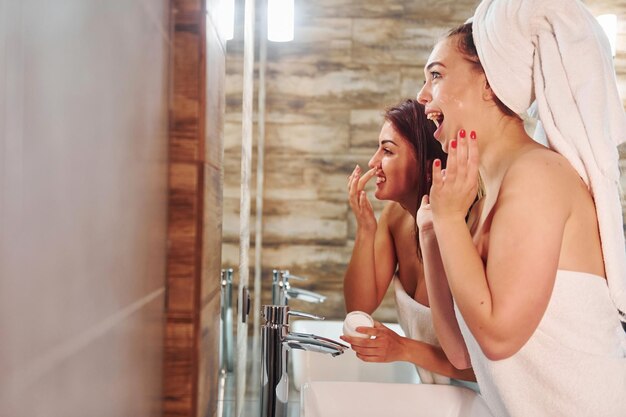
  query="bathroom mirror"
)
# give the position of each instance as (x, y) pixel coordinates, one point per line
(324, 96)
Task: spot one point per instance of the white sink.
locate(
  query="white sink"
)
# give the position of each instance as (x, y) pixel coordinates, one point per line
(311, 366)
(370, 399)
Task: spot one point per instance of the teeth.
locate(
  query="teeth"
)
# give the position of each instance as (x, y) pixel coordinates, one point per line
(380, 179)
(434, 116)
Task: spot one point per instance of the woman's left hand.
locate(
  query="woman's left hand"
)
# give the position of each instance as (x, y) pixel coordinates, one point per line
(424, 217)
(386, 346)
(452, 194)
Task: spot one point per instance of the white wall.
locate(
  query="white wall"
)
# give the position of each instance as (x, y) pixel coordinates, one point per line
(83, 177)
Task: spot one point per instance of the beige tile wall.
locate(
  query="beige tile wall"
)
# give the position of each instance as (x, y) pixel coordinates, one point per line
(325, 94)
(83, 153)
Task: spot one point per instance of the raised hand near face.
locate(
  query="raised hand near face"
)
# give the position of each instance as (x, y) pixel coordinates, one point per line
(359, 203)
(454, 191)
(424, 218)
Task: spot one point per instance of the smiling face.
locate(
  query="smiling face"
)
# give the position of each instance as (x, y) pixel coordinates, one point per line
(455, 88)
(397, 166)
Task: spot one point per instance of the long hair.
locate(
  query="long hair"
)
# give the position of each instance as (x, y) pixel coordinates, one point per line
(409, 120)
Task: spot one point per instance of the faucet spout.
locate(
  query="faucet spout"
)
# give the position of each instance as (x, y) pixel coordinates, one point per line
(304, 295)
(314, 343)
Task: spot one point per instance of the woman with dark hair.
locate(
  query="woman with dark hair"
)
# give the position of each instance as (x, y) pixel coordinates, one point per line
(387, 250)
(528, 286)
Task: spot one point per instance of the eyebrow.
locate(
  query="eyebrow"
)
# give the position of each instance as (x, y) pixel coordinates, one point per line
(434, 63)
(382, 142)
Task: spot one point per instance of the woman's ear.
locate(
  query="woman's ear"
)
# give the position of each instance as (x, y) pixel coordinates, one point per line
(488, 94)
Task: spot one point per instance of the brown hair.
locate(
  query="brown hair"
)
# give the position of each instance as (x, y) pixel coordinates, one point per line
(409, 120)
(465, 44)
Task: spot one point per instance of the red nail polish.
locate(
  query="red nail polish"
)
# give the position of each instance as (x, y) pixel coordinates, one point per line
(473, 134)
(437, 163)
(462, 133)
(453, 144)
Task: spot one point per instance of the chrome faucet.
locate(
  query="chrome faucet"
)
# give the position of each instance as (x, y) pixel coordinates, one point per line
(276, 342)
(282, 291)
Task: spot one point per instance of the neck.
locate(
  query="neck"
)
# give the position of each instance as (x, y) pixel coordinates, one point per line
(498, 148)
(409, 203)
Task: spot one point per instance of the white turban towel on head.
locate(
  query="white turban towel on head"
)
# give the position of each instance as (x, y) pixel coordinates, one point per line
(555, 55)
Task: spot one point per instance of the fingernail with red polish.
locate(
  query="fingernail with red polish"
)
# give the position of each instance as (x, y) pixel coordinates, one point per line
(453, 144)
(437, 163)
(462, 133)
(473, 134)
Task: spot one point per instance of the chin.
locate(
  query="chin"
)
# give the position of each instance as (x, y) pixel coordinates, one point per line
(385, 195)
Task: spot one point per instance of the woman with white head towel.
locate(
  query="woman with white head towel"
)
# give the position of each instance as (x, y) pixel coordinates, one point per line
(536, 273)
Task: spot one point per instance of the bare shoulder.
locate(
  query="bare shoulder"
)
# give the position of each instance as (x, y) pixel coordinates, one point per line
(541, 170)
(387, 215)
(397, 218)
(542, 160)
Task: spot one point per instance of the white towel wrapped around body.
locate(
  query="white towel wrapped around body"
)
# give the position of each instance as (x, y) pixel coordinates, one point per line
(554, 52)
(416, 321)
(572, 366)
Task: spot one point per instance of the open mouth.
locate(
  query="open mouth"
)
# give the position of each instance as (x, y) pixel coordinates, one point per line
(436, 117)
(380, 176)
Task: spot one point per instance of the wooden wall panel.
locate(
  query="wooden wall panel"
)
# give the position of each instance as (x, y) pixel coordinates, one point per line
(195, 211)
(186, 226)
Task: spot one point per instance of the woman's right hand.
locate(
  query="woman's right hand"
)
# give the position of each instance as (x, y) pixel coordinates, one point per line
(359, 203)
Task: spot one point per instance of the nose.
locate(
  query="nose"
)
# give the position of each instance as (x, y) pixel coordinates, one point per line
(374, 162)
(423, 95)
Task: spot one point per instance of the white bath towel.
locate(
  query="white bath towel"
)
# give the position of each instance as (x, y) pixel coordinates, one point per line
(555, 52)
(416, 321)
(573, 365)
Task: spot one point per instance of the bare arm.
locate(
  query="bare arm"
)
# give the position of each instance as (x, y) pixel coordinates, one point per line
(388, 346)
(373, 260)
(439, 295)
(503, 302)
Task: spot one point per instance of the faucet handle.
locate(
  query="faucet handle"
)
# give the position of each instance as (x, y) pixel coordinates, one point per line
(279, 314)
(304, 315)
(288, 276)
